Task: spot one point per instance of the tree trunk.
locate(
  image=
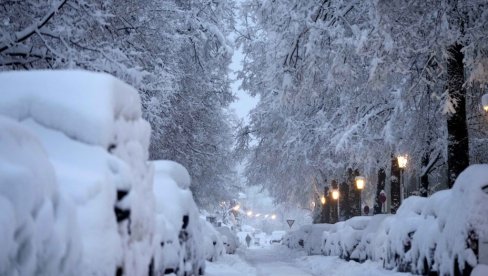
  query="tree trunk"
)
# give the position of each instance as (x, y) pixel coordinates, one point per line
(354, 194)
(424, 178)
(344, 198)
(326, 207)
(457, 142)
(333, 204)
(395, 191)
(379, 187)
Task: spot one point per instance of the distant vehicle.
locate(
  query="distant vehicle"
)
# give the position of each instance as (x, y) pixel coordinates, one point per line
(277, 236)
(229, 238)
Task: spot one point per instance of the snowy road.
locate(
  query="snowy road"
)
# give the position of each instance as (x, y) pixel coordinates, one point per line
(280, 261)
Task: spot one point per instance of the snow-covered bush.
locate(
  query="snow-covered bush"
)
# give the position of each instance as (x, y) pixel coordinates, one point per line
(179, 228)
(38, 227)
(435, 234)
(344, 238)
(308, 237)
(91, 128)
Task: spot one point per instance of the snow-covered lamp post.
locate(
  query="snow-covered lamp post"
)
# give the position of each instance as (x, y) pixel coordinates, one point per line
(335, 196)
(360, 183)
(484, 102)
(402, 164)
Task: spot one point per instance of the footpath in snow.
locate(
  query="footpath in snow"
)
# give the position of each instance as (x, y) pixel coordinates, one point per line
(281, 261)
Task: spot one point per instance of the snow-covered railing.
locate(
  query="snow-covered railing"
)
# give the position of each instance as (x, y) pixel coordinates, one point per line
(436, 234)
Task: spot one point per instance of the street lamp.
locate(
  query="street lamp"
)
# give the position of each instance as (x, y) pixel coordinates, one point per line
(402, 164)
(273, 216)
(249, 213)
(484, 102)
(236, 208)
(360, 183)
(322, 200)
(335, 196)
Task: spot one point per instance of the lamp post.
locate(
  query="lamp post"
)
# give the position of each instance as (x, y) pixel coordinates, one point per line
(484, 102)
(402, 164)
(360, 183)
(335, 196)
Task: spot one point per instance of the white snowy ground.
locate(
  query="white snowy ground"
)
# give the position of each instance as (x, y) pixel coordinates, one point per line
(281, 261)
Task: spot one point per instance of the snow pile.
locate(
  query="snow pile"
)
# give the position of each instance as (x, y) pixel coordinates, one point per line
(230, 240)
(38, 227)
(179, 228)
(212, 242)
(308, 237)
(344, 238)
(91, 128)
(436, 234)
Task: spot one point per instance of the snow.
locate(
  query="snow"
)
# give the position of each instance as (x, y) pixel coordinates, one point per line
(88, 177)
(178, 244)
(38, 226)
(426, 234)
(89, 129)
(95, 102)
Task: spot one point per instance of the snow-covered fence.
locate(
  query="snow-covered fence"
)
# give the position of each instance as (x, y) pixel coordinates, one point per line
(436, 234)
(76, 187)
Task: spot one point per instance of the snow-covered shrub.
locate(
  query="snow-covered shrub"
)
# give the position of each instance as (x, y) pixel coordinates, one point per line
(91, 127)
(309, 237)
(179, 228)
(343, 239)
(38, 227)
(212, 241)
(230, 240)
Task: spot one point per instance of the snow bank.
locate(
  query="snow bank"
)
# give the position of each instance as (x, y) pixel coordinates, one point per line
(88, 177)
(91, 128)
(436, 234)
(38, 227)
(212, 241)
(179, 229)
(90, 103)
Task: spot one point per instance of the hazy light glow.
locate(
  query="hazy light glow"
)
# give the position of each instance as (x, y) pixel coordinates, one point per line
(322, 199)
(335, 194)
(236, 208)
(273, 216)
(249, 213)
(360, 182)
(484, 102)
(402, 161)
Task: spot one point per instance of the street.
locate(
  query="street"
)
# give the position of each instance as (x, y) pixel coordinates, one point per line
(281, 261)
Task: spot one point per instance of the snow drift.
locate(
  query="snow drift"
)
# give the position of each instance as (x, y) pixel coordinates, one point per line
(87, 130)
(436, 234)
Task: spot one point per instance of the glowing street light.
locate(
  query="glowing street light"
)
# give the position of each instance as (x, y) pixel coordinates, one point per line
(249, 213)
(273, 216)
(236, 208)
(266, 216)
(402, 164)
(484, 102)
(322, 199)
(360, 183)
(335, 196)
(402, 161)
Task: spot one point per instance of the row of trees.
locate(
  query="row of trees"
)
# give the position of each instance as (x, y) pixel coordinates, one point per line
(348, 84)
(174, 52)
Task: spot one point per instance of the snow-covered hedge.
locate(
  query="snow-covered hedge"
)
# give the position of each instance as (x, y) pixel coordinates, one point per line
(438, 233)
(76, 188)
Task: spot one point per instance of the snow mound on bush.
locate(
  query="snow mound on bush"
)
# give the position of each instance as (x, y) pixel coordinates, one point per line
(174, 170)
